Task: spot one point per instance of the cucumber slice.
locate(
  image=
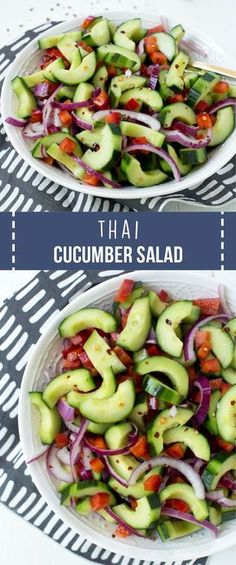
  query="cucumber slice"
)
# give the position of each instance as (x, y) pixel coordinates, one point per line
(210, 422)
(48, 140)
(232, 90)
(163, 422)
(215, 515)
(224, 126)
(138, 325)
(64, 383)
(90, 138)
(154, 387)
(166, 44)
(109, 151)
(229, 375)
(139, 412)
(65, 92)
(128, 33)
(56, 153)
(184, 169)
(106, 390)
(68, 47)
(174, 529)
(87, 488)
(40, 76)
(230, 328)
(48, 42)
(191, 438)
(100, 78)
(120, 84)
(84, 506)
(83, 92)
(177, 32)
(136, 293)
(226, 416)
(101, 356)
(136, 130)
(216, 468)
(83, 72)
(26, 100)
(175, 372)
(137, 490)
(202, 86)
(177, 111)
(99, 34)
(165, 92)
(50, 421)
(174, 77)
(185, 492)
(87, 318)
(156, 304)
(145, 514)
(144, 95)
(190, 78)
(98, 429)
(193, 156)
(119, 57)
(117, 435)
(222, 345)
(137, 176)
(167, 323)
(113, 409)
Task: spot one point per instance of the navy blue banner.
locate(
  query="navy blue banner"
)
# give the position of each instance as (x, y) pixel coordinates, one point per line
(142, 240)
(6, 242)
(229, 247)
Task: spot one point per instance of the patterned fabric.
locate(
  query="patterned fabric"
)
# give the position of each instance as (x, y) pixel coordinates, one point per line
(22, 321)
(23, 189)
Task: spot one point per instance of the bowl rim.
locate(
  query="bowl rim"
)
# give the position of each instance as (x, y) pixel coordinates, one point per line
(223, 153)
(200, 549)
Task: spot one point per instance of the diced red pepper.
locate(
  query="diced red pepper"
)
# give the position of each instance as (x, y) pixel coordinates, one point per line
(54, 53)
(191, 373)
(139, 140)
(201, 106)
(204, 350)
(204, 120)
(215, 384)
(175, 450)
(153, 350)
(112, 71)
(177, 504)
(65, 118)
(91, 179)
(97, 465)
(208, 306)
(225, 445)
(113, 118)
(122, 532)
(156, 29)
(102, 100)
(132, 104)
(87, 22)
(97, 441)
(176, 98)
(140, 448)
(133, 502)
(67, 145)
(36, 116)
(62, 440)
(225, 387)
(210, 366)
(163, 295)
(49, 160)
(85, 46)
(83, 357)
(81, 338)
(124, 291)
(158, 58)
(221, 87)
(152, 483)
(201, 337)
(99, 501)
(124, 357)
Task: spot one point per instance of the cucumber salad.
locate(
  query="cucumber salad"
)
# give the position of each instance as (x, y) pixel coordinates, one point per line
(138, 416)
(113, 105)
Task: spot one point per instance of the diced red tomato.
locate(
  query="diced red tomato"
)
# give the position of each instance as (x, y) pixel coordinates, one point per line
(140, 448)
(99, 501)
(153, 350)
(156, 29)
(67, 145)
(97, 465)
(221, 87)
(91, 179)
(122, 532)
(204, 120)
(152, 483)
(176, 98)
(208, 306)
(49, 160)
(124, 291)
(201, 337)
(176, 450)
(215, 384)
(87, 22)
(210, 366)
(62, 439)
(225, 445)
(124, 357)
(132, 104)
(113, 118)
(177, 504)
(163, 295)
(65, 118)
(36, 116)
(201, 106)
(225, 387)
(102, 100)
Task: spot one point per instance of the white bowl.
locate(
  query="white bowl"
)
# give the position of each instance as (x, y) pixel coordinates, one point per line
(25, 63)
(179, 285)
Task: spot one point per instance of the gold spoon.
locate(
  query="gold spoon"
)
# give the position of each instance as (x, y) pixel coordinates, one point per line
(214, 69)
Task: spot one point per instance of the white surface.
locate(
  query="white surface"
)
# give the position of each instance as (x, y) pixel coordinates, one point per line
(207, 16)
(30, 542)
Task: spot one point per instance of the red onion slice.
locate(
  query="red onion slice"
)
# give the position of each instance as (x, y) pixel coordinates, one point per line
(47, 109)
(140, 48)
(119, 451)
(175, 136)
(227, 503)
(215, 496)
(160, 152)
(76, 447)
(189, 351)
(71, 105)
(98, 175)
(54, 467)
(33, 131)
(188, 44)
(223, 302)
(153, 70)
(113, 473)
(16, 122)
(138, 116)
(86, 458)
(41, 90)
(180, 466)
(222, 104)
(189, 518)
(151, 338)
(200, 415)
(38, 456)
(81, 123)
(152, 82)
(64, 456)
(186, 129)
(131, 530)
(228, 482)
(66, 412)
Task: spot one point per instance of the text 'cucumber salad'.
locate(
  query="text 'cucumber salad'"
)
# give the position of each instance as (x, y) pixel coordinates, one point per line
(113, 105)
(138, 417)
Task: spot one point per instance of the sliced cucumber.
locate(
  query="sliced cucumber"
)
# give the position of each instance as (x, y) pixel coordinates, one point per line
(45, 74)
(50, 421)
(121, 84)
(226, 416)
(174, 529)
(64, 383)
(138, 325)
(90, 138)
(145, 514)
(229, 375)
(201, 87)
(193, 156)
(113, 409)
(224, 126)
(175, 372)
(185, 492)
(191, 438)
(156, 304)
(119, 57)
(87, 318)
(136, 293)
(106, 390)
(48, 140)
(137, 130)
(177, 32)
(154, 387)
(82, 93)
(210, 422)
(128, 33)
(166, 44)
(174, 77)
(100, 78)
(222, 345)
(99, 34)
(83, 72)
(68, 47)
(139, 412)
(60, 156)
(230, 328)
(66, 92)
(177, 111)
(109, 150)
(143, 95)
(216, 468)
(137, 490)
(26, 100)
(48, 42)
(167, 323)
(101, 356)
(183, 168)
(163, 422)
(137, 176)
(165, 92)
